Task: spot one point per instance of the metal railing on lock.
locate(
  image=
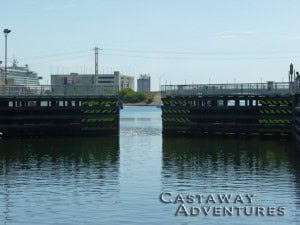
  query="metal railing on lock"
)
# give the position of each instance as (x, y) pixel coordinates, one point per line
(270, 88)
(57, 90)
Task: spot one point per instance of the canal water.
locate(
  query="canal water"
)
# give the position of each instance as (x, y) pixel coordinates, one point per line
(131, 179)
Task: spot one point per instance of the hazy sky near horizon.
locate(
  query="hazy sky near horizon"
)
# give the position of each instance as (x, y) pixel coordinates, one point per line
(175, 41)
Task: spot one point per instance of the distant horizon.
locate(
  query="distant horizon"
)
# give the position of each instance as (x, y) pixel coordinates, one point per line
(175, 42)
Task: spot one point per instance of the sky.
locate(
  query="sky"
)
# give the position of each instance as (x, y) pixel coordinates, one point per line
(175, 41)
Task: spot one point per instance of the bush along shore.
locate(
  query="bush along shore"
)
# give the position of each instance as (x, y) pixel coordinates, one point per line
(131, 97)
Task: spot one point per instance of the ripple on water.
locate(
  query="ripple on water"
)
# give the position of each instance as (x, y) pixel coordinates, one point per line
(118, 180)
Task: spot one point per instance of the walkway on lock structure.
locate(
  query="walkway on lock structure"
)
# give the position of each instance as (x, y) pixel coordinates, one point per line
(247, 108)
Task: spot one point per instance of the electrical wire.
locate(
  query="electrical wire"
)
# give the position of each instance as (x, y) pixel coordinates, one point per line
(166, 55)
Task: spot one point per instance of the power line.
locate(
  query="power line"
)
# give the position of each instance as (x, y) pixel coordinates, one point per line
(165, 55)
(61, 54)
(45, 60)
(254, 52)
(203, 58)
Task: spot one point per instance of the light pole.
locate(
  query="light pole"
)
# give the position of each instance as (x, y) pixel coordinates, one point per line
(1, 71)
(159, 81)
(6, 32)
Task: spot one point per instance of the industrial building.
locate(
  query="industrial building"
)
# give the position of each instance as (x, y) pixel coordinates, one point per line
(106, 83)
(144, 83)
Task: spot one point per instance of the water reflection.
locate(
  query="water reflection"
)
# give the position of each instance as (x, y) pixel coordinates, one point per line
(297, 183)
(49, 175)
(265, 168)
(223, 155)
(70, 151)
(227, 164)
(140, 121)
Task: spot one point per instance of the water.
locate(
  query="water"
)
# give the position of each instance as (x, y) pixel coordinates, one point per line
(118, 180)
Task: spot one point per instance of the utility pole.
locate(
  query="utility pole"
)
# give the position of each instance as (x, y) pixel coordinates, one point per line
(96, 63)
(291, 73)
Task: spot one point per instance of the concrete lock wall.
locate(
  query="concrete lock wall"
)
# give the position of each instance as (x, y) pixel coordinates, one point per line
(59, 116)
(242, 114)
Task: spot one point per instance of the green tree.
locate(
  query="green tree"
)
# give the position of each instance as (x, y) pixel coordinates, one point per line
(128, 95)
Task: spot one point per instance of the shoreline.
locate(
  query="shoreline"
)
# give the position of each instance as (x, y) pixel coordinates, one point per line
(156, 101)
(140, 104)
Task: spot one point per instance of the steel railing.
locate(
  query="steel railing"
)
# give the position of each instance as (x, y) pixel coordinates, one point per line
(57, 90)
(271, 88)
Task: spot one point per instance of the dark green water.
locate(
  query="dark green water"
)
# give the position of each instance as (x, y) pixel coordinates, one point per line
(118, 180)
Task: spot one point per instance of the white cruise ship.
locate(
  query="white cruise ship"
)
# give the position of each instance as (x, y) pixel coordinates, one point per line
(19, 75)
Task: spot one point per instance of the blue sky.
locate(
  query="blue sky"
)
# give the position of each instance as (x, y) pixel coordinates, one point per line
(175, 41)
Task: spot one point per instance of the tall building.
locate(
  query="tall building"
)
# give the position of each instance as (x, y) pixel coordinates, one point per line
(144, 83)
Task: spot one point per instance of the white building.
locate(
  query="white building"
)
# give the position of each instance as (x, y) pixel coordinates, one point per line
(126, 82)
(105, 82)
(18, 75)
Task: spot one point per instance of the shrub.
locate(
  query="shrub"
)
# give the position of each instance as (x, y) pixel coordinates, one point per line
(129, 95)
